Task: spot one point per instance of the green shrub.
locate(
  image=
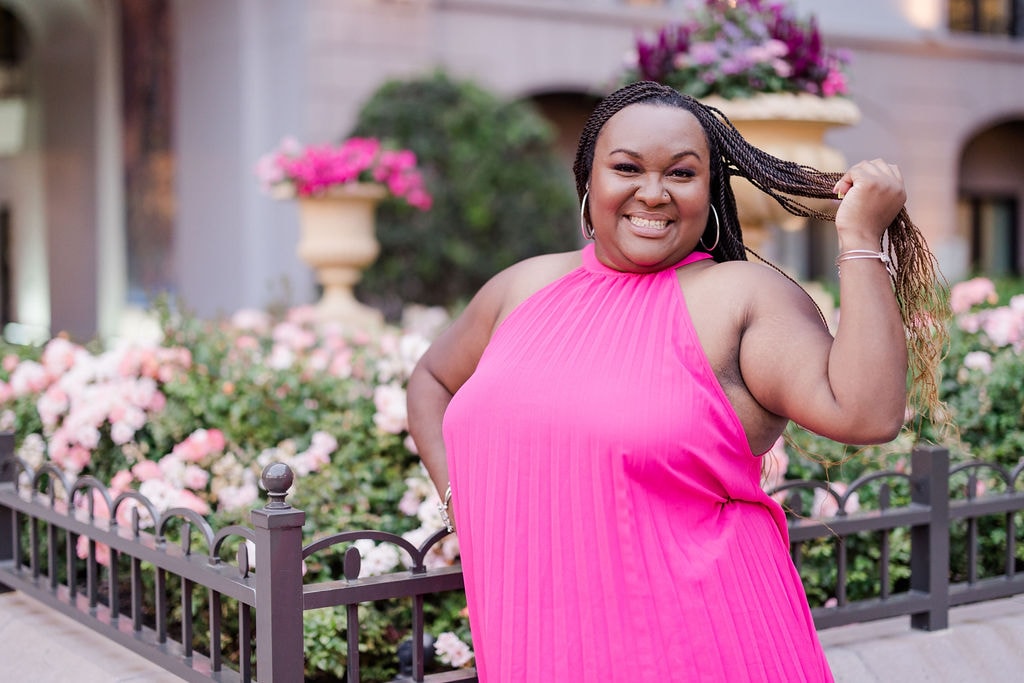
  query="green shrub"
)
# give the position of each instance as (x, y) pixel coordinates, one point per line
(500, 192)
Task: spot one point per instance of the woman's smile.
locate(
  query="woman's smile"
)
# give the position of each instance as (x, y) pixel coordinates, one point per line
(652, 227)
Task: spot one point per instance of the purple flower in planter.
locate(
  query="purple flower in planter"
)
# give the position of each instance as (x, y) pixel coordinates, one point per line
(738, 48)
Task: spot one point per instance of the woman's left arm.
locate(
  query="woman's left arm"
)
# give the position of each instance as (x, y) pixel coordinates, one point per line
(851, 388)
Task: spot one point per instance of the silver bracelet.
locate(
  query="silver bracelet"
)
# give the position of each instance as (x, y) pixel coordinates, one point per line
(856, 254)
(442, 508)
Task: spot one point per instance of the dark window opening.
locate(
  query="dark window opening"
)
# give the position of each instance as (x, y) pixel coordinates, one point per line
(991, 227)
(989, 17)
(6, 300)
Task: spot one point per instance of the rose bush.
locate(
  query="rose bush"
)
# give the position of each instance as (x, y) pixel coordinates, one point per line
(193, 420)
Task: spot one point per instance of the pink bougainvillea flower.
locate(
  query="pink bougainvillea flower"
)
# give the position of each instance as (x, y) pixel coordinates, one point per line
(293, 170)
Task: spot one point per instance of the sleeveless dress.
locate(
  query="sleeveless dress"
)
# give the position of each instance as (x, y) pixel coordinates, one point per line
(609, 509)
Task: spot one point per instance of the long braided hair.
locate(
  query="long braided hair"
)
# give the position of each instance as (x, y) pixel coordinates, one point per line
(921, 290)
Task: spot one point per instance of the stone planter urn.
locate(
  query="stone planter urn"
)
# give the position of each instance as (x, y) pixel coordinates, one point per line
(338, 240)
(791, 127)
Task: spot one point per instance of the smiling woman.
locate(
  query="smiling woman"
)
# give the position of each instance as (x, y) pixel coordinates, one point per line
(599, 415)
(654, 198)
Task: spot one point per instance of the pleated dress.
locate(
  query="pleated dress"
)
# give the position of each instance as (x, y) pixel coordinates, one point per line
(610, 514)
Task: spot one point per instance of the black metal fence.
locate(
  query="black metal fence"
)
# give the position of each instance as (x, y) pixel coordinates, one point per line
(936, 506)
(135, 575)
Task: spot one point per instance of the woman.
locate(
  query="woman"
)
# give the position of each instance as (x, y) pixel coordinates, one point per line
(600, 414)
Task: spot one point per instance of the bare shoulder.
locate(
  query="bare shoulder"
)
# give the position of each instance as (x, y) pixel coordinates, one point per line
(522, 280)
(756, 287)
(546, 266)
(454, 354)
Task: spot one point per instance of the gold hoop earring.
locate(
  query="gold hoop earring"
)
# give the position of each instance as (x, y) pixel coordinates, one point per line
(718, 232)
(587, 228)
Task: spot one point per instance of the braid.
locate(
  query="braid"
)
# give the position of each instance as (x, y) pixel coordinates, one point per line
(921, 290)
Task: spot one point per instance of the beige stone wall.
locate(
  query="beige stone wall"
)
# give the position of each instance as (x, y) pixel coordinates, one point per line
(923, 93)
(248, 73)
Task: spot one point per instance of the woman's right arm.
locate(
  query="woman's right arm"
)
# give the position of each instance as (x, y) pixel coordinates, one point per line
(446, 365)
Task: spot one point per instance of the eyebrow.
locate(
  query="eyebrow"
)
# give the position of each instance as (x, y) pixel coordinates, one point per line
(675, 157)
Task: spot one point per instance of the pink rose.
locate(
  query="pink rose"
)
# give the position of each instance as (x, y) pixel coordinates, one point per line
(102, 551)
(237, 497)
(59, 356)
(121, 481)
(965, 295)
(157, 402)
(189, 450)
(391, 414)
(121, 433)
(28, 378)
(215, 441)
(146, 470)
(195, 477)
(978, 360)
(251, 319)
(190, 501)
(1002, 326)
(77, 458)
(452, 651)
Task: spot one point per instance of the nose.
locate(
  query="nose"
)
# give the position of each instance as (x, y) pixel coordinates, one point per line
(651, 190)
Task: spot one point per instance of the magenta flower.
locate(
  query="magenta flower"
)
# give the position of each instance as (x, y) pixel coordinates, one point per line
(295, 171)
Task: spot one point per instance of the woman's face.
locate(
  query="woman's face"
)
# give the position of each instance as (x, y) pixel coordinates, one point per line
(649, 187)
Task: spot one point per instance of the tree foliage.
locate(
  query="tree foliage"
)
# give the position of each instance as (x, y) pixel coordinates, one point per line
(500, 192)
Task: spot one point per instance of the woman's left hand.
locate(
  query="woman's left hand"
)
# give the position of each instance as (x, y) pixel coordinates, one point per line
(871, 195)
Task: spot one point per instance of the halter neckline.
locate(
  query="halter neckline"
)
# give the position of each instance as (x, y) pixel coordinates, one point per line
(594, 265)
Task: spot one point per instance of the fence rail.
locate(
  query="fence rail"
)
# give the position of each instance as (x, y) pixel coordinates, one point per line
(156, 582)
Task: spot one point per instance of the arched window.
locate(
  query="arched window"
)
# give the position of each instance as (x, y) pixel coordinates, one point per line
(991, 187)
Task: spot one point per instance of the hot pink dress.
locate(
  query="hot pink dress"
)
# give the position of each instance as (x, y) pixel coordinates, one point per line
(609, 510)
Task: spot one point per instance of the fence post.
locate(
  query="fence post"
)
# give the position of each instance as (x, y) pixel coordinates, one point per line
(929, 544)
(278, 530)
(8, 475)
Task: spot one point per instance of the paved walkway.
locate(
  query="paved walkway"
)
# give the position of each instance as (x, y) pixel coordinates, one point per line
(985, 643)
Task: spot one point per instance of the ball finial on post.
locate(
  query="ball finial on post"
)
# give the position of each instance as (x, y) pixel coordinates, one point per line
(277, 478)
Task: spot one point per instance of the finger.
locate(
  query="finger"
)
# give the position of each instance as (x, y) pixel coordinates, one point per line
(843, 186)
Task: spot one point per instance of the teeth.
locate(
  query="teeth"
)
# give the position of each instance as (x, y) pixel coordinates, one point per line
(645, 223)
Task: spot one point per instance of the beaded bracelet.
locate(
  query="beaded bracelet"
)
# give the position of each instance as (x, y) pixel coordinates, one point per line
(855, 254)
(442, 507)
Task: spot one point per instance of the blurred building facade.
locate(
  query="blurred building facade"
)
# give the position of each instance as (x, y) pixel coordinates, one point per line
(135, 125)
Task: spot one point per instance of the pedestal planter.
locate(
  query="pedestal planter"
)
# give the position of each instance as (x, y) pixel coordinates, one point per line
(791, 127)
(338, 240)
